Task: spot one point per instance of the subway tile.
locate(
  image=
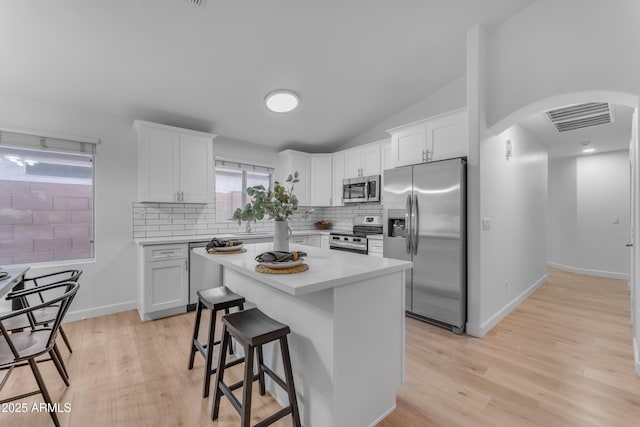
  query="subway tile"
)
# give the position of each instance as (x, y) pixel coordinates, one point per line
(139, 234)
(184, 221)
(184, 210)
(163, 233)
(171, 227)
(157, 222)
(139, 222)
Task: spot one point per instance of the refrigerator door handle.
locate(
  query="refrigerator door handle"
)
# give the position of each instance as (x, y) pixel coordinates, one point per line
(415, 222)
(407, 223)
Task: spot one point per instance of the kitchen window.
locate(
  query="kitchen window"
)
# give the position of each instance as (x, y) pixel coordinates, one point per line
(46, 199)
(232, 180)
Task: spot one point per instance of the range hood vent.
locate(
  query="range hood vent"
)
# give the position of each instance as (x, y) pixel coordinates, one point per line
(581, 116)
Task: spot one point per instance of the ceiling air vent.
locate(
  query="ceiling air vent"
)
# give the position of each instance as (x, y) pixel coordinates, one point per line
(198, 3)
(581, 116)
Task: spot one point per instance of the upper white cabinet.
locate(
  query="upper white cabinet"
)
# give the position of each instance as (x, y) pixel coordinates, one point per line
(174, 164)
(362, 161)
(437, 138)
(290, 162)
(447, 136)
(338, 176)
(321, 179)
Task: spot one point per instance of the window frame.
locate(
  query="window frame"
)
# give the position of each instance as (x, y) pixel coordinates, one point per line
(245, 168)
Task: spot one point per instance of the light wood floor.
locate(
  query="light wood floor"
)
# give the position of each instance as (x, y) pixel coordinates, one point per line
(563, 358)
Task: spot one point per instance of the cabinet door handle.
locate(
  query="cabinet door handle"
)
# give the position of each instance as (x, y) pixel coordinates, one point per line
(186, 264)
(167, 253)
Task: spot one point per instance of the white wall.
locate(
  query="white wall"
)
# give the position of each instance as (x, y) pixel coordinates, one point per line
(555, 47)
(585, 194)
(514, 199)
(447, 98)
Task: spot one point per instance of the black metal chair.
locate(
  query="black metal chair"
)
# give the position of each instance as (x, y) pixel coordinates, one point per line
(43, 316)
(22, 348)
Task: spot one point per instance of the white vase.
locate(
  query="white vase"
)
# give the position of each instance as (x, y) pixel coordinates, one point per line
(281, 236)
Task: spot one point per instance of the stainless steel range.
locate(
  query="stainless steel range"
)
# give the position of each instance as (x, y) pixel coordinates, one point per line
(356, 241)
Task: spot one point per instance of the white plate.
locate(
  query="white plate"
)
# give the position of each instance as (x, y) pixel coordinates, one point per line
(284, 264)
(228, 248)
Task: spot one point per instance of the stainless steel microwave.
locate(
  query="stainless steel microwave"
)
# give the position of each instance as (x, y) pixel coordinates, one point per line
(362, 189)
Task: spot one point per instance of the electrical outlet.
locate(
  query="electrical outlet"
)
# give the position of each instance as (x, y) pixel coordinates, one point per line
(506, 286)
(615, 220)
(486, 224)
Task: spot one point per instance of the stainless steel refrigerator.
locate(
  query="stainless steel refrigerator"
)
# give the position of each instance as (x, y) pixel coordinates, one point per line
(425, 222)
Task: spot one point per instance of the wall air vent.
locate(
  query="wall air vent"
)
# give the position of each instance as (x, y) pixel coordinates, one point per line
(581, 116)
(198, 3)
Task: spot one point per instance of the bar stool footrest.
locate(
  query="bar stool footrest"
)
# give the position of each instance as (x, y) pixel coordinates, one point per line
(273, 418)
(232, 398)
(240, 383)
(274, 377)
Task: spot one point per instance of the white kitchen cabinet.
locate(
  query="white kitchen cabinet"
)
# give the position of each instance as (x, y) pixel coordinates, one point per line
(298, 240)
(362, 161)
(321, 179)
(386, 162)
(447, 136)
(314, 240)
(375, 247)
(324, 241)
(338, 176)
(436, 138)
(163, 280)
(409, 144)
(175, 165)
(291, 161)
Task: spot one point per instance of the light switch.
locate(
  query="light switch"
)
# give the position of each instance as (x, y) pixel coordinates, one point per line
(486, 224)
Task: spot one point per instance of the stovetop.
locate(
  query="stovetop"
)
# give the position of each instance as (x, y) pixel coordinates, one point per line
(363, 226)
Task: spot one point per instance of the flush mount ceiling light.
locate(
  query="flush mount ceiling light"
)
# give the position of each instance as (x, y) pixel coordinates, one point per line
(281, 100)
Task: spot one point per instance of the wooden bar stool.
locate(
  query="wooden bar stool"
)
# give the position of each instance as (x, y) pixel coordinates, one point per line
(252, 329)
(215, 299)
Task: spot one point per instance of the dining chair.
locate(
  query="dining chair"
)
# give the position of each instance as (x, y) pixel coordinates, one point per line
(20, 348)
(44, 316)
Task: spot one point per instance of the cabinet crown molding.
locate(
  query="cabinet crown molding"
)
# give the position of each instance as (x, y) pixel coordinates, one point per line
(137, 124)
(425, 120)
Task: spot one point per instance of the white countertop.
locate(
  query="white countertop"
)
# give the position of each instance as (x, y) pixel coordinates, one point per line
(207, 237)
(327, 268)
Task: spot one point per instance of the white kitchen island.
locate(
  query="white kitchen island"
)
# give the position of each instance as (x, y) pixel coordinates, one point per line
(346, 315)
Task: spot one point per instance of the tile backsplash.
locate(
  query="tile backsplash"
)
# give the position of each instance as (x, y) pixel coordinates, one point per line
(182, 219)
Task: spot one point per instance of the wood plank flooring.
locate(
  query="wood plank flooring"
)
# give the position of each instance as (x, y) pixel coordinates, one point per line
(563, 358)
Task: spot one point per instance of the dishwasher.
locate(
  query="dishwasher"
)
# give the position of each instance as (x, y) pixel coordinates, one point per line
(203, 274)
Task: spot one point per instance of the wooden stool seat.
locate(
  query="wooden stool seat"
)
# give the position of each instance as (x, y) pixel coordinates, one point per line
(252, 329)
(215, 299)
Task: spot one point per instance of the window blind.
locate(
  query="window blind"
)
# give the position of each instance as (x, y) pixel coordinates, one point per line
(33, 141)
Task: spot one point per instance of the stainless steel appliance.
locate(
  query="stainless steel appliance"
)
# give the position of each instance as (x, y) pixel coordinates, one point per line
(362, 189)
(425, 222)
(356, 241)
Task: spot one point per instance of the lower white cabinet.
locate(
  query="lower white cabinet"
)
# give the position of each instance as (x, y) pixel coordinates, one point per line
(324, 241)
(163, 280)
(375, 247)
(314, 240)
(298, 240)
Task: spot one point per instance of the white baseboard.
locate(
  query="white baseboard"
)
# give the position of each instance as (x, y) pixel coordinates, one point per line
(99, 311)
(383, 416)
(636, 357)
(482, 329)
(588, 272)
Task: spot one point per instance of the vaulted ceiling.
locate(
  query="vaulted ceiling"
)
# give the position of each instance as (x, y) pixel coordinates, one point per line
(354, 63)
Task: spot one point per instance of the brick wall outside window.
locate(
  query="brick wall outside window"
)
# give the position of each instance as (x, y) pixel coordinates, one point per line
(42, 221)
